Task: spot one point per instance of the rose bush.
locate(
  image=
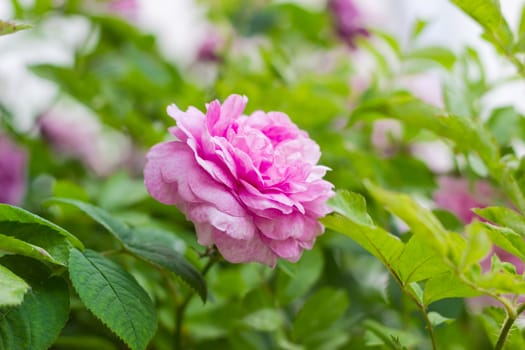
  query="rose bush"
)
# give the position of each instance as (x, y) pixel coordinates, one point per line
(251, 185)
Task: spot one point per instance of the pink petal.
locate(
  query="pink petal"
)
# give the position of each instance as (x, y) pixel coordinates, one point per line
(238, 250)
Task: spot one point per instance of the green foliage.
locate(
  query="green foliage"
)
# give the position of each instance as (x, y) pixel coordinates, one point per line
(488, 14)
(10, 215)
(409, 264)
(160, 252)
(38, 320)
(309, 324)
(114, 296)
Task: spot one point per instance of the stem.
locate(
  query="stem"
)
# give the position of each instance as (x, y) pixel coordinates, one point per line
(505, 329)
(422, 308)
(181, 309)
(507, 326)
(429, 326)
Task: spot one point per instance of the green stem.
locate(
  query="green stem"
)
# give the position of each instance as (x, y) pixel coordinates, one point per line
(181, 309)
(421, 306)
(507, 326)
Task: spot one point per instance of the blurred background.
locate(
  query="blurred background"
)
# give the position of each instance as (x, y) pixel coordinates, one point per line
(83, 95)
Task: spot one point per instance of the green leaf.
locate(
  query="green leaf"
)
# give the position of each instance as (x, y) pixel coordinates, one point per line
(419, 262)
(352, 206)
(441, 55)
(266, 320)
(422, 222)
(488, 14)
(18, 216)
(11, 245)
(12, 288)
(10, 27)
(478, 246)
(447, 285)
(301, 278)
(393, 338)
(37, 322)
(504, 217)
(436, 318)
(309, 320)
(114, 296)
(383, 245)
(154, 250)
(504, 238)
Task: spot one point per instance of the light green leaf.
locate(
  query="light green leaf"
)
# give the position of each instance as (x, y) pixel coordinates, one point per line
(11, 245)
(504, 217)
(352, 206)
(14, 218)
(12, 288)
(419, 262)
(501, 281)
(114, 296)
(309, 320)
(436, 318)
(383, 245)
(437, 54)
(504, 238)
(422, 222)
(447, 285)
(478, 246)
(37, 322)
(266, 320)
(488, 14)
(10, 27)
(154, 251)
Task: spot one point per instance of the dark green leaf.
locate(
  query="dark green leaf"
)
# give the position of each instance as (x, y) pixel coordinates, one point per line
(161, 252)
(114, 296)
(393, 338)
(11, 245)
(37, 322)
(309, 320)
(14, 215)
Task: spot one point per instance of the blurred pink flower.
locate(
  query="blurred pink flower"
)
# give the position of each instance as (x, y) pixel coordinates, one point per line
(348, 21)
(126, 8)
(75, 133)
(210, 47)
(460, 196)
(13, 163)
(251, 185)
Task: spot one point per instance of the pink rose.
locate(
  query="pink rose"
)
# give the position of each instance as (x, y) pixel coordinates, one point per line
(251, 185)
